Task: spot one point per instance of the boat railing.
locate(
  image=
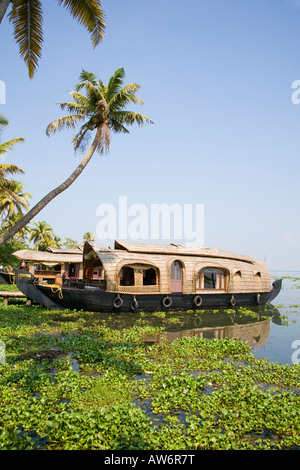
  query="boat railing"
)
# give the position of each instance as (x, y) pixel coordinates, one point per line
(138, 289)
(46, 273)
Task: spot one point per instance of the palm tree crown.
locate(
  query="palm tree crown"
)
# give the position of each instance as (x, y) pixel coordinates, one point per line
(15, 201)
(10, 189)
(102, 108)
(42, 236)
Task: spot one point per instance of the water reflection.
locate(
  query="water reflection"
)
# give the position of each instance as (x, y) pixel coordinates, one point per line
(255, 334)
(250, 325)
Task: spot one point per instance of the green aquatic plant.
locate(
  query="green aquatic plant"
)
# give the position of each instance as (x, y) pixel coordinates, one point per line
(71, 381)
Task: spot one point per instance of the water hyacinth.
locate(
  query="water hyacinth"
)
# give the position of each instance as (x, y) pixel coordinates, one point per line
(72, 380)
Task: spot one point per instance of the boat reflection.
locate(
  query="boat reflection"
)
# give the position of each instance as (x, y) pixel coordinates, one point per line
(252, 328)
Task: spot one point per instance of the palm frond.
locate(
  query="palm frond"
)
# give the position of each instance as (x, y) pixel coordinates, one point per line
(80, 99)
(3, 122)
(125, 96)
(94, 92)
(117, 127)
(68, 122)
(86, 77)
(130, 117)
(90, 14)
(81, 140)
(27, 20)
(9, 145)
(7, 169)
(115, 83)
(10, 197)
(75, 108)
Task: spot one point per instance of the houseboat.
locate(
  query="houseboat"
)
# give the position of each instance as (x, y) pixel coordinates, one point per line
(53, 263)
(156, 277)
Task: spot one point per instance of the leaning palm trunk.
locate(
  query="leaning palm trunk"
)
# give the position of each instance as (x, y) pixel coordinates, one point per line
(55, 192)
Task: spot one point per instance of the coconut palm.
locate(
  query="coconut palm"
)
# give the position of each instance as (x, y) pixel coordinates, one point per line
(70, 243)
(89, 237)
(26, 17)
(102, 109)
(8, 187)
(10, 222)
(42, 235)
(14, 202)
(9, 145)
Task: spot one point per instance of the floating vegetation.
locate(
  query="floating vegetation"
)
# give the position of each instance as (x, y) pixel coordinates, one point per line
(79, 380)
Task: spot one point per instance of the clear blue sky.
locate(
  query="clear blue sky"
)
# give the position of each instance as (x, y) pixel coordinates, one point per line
(215, 77)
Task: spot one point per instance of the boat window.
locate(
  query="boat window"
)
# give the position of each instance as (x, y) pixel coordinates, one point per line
(238, 274)
(211, 278)
(98, 272)
(127, 276)
(150, 277)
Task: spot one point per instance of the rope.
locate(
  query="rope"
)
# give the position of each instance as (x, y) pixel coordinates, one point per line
(55, 288)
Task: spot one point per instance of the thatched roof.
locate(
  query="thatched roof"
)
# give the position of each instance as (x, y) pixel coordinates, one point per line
(48, 257)
(174, 249)
(71, 251)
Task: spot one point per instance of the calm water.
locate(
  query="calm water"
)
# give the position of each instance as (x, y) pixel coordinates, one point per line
(271, 338)
(282, 335)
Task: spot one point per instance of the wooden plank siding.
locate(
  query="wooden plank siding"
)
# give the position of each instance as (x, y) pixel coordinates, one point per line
(243, 274)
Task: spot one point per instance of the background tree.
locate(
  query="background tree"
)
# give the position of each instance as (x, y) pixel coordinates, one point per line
(15, 202)
(89, 237)
(70, 243)
(8, 186)
(12, 198)
(42, 235)
(103, 110)
(6, 252)
(26, 17)
(10, 222)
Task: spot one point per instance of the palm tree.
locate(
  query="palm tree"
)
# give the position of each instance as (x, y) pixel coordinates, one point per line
(10, 222)
(9, 188)
(103, 108)
(27, 19)
(42, 235)
(89, 237)
(70, 243)
(9, 205)
(9, 145)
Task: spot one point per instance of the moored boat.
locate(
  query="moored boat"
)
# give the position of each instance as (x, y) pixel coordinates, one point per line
(156, 277)
(7, 277)
(52, 263)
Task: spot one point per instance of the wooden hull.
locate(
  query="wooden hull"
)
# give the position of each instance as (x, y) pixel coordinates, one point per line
(94, 299)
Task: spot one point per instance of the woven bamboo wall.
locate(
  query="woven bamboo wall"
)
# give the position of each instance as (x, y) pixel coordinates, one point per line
(243, 274)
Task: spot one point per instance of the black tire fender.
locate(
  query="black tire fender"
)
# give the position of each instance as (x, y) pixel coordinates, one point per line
(134, 304)
(197, 300)
(167, 301)
(118, 302)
